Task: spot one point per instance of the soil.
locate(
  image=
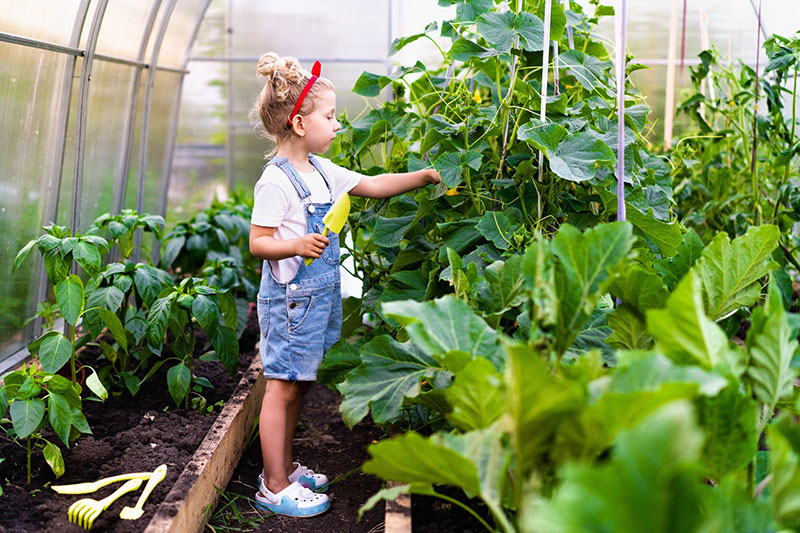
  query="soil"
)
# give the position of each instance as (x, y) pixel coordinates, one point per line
(324, 444)
(129, 434)
(434, 515)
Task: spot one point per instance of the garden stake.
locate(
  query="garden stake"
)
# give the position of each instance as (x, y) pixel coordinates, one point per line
(545, 65)
(335, 218)
(86, 488)
(134, 513)
(84, 511)
(621, 49)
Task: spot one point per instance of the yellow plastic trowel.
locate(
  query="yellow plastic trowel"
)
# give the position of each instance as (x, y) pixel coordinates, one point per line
(335, 218)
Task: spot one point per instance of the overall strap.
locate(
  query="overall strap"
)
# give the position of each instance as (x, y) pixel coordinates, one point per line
(298, 183)
(316, 164)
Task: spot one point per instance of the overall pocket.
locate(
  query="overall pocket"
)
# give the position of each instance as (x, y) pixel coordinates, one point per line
(297, 309)
(263, 315)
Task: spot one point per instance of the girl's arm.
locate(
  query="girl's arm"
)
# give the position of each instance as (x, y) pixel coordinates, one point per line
(386, 185)
(264, 245)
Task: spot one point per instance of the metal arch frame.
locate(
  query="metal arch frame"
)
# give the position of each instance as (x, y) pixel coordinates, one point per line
(229, 105)
(123, 169)
(83, 102)
(146, 120)
(173, 126)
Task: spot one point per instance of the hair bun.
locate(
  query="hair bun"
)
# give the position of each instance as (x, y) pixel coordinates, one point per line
(273, 67)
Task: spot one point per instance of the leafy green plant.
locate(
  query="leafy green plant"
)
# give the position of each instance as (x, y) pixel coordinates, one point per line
(122, 229)
(177, 309)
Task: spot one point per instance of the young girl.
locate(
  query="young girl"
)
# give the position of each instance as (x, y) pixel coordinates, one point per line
(299, 305)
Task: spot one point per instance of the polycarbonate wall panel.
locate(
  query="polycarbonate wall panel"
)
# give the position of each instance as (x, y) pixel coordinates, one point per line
(179, 32)
(30, 80)
(164, 94)
(123, 27)
(135, 155)
(312, 28)
(68, 168)
(45, 20)
(104, 146)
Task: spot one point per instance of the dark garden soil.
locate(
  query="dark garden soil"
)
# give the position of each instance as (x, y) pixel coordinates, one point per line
(128, 435)
(434, 515)
(323, 443)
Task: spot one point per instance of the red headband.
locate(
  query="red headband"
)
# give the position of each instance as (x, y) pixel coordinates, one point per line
(315, 71)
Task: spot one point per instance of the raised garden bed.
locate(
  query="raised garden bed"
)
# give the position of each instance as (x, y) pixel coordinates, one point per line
(129, 435)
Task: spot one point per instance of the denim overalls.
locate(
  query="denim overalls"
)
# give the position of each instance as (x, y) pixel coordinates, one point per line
(300, 320)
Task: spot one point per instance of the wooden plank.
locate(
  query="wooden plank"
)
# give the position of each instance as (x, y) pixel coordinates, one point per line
(211, 467)
(398, 512)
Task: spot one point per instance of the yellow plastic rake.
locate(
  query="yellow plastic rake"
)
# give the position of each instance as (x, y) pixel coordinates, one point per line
(84, 511)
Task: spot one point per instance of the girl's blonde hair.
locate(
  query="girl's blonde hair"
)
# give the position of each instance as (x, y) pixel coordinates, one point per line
(284, 80)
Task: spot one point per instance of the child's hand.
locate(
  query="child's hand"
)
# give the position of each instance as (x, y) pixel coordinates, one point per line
(312, 245)
(434, 176)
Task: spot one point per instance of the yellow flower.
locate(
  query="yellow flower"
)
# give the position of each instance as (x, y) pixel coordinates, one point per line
(452, 192)
(477, 96)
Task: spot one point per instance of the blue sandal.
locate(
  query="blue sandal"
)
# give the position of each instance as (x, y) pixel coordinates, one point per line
(306, 477)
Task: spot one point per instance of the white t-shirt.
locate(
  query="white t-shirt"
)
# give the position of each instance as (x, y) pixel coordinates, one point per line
(277, 205)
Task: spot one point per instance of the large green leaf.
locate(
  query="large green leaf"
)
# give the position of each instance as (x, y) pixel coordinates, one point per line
(590, 72)
(541, 135)
(60, 415)
(413, 458)
(578, 156)
(389, 231)
(685, 333)
(26, 415)
(477, 396)
(69, 295)
(651, 483)
(498, 228)
(444, 325)
(54, 351)
(389, 371)
(226, 345)
(87, 256)
(730, 270)
(503, 286)
(772, 346)
(729, 421)
(158, 318)
(206, 311)
(639, 287)
(538, 403)
(52, 454)
(22, 254)
(688, 252)
(148, 281)
(340, 359)
(585, 261)
(650, 371)
(628, 329)
(784, 463)
(179, 377)
(464, 49)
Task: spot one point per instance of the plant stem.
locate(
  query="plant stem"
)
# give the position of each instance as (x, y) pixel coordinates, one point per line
(28, 449)
(72, 357)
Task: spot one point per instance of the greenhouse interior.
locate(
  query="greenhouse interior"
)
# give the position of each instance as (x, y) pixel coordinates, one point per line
(400, 265)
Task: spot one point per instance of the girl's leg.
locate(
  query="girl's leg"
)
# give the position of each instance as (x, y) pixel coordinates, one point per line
(279, 398)
(291, 422)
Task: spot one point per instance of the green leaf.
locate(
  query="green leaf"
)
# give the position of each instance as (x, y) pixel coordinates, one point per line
(389, 372)
(477, 396)
(651, 483)
(629, 330)
(590, 72)
(684, 332)
(729, 422)
(226, 344)
(22, 254)
(340, 359)
(585, 262)
(171, 250)
(651, 371)
(148, 283)
(784, 464)
(498, 228)
(115, 326)
(497, 29)
(87, 256)
(464, 49)
(639, 287)
(413, 458)
(578, 157)
(530, 29)
(730, 270)
(54, 351)
(52, 454)
(389, 231)
(69, 295)
(504, 285)
(772, 346)
(157, 320)
(96, 386)
(540, 135)
(206, 311)
(179, 378)
(60, 416)
(369, 84)
(26, 415)
(538, 403)
(688, 252)
(666, 236)
(449, 166)
(444, 325)
(106, 297)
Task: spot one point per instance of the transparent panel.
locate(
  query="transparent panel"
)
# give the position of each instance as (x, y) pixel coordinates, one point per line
(179, 32)
(68, 166)
(136, 144)
(25, 18)
(30, 81)
(105, 132)
(312, 29)
(123, 27)
(165, 90)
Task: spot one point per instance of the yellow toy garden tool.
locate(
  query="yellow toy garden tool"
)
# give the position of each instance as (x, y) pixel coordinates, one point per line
(84, 511)
(133, 513)
(335, 218)
(86, 488)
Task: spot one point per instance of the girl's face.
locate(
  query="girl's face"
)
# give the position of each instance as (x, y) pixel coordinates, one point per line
(321, 124)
